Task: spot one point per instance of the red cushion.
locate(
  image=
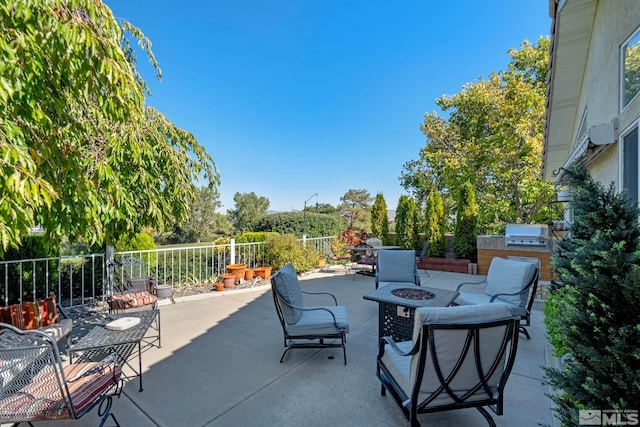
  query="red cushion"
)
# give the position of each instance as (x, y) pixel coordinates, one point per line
(41, 398)
(131, 300)
(31, 315)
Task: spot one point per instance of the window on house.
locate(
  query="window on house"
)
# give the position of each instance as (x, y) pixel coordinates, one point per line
(630, 163)
(630, 69)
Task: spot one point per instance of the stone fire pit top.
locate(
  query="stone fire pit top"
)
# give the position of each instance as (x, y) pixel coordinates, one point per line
(415, 294)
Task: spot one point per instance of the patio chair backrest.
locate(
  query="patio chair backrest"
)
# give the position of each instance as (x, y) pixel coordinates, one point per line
(287, 287)
(465, 348)
(328, 250)
(396, 266)
(508, 277)
(374, 242)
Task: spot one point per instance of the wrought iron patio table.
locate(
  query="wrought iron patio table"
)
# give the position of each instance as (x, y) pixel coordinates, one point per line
(397, 303)
(101, 342)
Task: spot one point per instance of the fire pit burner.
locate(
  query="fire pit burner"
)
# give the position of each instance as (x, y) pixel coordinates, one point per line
(417, 294)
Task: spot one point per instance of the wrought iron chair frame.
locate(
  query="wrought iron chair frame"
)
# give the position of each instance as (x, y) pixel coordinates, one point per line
(410, 404)
(278, 300)
(34, 353)
(532, 286)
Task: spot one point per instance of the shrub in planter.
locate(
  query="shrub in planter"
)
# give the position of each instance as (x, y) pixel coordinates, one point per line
(596, 313)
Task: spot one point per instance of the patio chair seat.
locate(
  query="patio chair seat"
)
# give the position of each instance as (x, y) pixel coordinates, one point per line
(131, 300)
(470, 298)
(320, 322)
(59, 330)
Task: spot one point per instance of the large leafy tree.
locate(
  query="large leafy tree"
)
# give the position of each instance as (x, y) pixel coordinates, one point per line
(204, 221)
(80, 153)
(492, 137)
(355, 209)
(249, 208)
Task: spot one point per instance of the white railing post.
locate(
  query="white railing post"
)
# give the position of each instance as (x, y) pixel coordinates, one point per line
(304, 240)
(233, 251)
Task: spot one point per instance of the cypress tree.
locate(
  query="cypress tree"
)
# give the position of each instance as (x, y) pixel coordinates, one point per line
(379, 219)
(465, 232)
(435, 225)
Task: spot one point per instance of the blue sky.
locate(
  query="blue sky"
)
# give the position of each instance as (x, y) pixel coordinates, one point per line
(293, 98)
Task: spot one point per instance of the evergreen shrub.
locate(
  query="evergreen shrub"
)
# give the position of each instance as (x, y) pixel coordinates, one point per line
(595, 315)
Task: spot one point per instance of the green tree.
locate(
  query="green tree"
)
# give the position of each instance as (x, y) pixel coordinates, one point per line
(380, 218)
(204, 222)
(465, 233)
(355, 208)
(435, 225)
(249, 208)
(492, 137)
(80, 153)
(595, 315)
(406, 216)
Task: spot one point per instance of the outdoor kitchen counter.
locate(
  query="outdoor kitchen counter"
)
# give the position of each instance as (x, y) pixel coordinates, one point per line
(495, 246)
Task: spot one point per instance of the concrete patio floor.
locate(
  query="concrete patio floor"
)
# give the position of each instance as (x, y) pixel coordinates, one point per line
(218, 366)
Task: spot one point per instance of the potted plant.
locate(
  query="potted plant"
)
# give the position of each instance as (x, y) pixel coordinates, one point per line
(264, 272)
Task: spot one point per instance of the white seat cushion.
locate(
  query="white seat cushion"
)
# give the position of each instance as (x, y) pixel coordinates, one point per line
(320, 322)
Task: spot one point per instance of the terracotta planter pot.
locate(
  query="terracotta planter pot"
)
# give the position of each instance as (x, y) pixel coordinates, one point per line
(248, 274)
(238, 270)
(264, 272)
(228, 279)
(219, 286)
(322, 262)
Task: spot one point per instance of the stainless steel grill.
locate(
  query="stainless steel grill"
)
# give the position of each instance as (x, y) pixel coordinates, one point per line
(527, 234)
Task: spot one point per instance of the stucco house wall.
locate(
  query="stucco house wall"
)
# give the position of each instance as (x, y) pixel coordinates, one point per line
(599, 95)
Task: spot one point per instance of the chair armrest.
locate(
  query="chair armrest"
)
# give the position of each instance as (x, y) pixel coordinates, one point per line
(335, 301)
(470, 283)
(523, 290)
(297, 307)
(62, 312)
(388, 341)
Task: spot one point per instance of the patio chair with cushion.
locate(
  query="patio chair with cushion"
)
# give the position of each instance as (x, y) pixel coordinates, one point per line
(313, 325)
(36, 386)
(459, 357)
(139, 292)
(508, 282)
(396, 266)
(337, 258)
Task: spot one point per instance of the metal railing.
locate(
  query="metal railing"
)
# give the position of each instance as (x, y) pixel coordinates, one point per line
(82, 279)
